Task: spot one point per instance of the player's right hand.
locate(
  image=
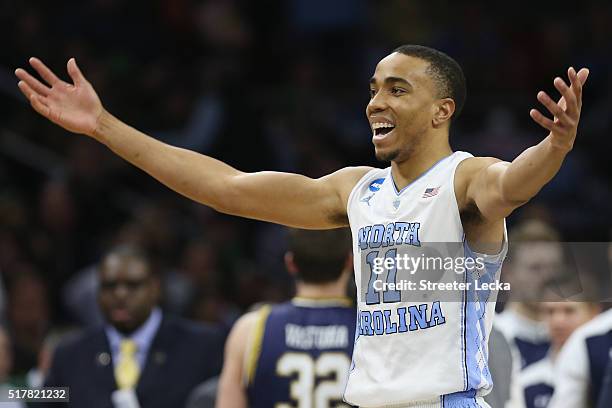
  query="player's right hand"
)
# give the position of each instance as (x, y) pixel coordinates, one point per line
(75, 107)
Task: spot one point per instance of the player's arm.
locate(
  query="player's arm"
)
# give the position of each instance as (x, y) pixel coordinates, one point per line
(288, 199)
(232, 392)
(497, 187)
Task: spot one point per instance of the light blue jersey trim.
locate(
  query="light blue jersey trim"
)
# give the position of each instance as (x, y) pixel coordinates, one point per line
(476, 351)
(352, 366)
(418, 178)
(465, 399)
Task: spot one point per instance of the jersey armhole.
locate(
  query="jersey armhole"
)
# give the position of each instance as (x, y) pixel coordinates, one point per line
(356, 187)
(488, 258)
(255, 341)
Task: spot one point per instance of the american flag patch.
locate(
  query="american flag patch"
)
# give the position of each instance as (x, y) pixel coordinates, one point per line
(430, 192)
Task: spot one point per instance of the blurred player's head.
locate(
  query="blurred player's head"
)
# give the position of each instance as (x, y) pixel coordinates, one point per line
(562, 318)
(416, 91)
(129, 288)
(535, 259)
(319, 257)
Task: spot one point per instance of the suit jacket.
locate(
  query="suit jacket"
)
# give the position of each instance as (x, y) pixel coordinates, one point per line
(182, 355)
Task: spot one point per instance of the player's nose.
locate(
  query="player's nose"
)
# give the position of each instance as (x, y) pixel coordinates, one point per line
(378, 103)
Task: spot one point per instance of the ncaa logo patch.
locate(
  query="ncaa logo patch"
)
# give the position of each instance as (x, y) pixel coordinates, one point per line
(376, 184)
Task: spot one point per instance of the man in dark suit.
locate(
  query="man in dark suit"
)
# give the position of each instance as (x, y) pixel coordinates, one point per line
(141, 357)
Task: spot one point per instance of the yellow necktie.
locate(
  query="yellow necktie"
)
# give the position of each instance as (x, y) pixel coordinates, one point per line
(127, 370)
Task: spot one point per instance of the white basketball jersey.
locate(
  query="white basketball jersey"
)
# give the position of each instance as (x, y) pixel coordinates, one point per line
(411, 351)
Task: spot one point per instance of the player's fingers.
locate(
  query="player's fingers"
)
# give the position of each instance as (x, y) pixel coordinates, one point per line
(39, 106)
(583, 74)
(570, 97)
(74, 72)
(562, 104)
(575, 86)
(38, 102)
(581, 78)
(44, 72)
(573, 78)
(30, 94)
(26, 90)
(34, 83)
(552, 107)
(541, 119)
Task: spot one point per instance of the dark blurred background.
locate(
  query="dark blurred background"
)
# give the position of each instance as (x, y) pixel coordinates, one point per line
(262, 85)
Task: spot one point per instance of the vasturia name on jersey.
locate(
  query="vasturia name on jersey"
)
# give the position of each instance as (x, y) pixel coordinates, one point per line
(410, 350)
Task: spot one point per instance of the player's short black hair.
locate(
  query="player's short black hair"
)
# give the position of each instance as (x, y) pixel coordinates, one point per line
(320, 256)
(445, 71)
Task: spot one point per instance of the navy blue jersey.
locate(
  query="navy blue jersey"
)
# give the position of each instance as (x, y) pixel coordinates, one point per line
(301, 354)
(538, 395)
(531, 351)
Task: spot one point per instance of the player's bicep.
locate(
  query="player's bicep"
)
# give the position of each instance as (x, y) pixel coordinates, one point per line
(294, 200)
(485, 189)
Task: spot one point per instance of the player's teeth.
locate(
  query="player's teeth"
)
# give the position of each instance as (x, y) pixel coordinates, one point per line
(379, 125)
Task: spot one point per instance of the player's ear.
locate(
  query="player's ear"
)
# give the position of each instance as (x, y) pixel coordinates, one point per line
(443, 110)
(290, 263)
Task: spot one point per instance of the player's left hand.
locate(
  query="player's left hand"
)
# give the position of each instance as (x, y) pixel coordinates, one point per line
(566, 112)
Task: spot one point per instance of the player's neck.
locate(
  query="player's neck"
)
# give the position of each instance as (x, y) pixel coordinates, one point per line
(406, 171)
(319, 291)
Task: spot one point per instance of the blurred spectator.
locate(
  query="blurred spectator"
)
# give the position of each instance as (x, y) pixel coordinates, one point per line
(6, 361)
(535, 385)
(606, 387)
(2, 301)
(35, 378)
(582, 364)
(535, 258)
(28, 316)
(141, 354)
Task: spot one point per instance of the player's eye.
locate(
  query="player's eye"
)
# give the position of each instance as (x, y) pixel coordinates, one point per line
(372, 93)
(397, 91)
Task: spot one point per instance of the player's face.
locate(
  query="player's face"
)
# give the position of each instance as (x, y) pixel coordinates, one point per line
(402, 104)
(536, 264)
(563, 318)
(127, 292)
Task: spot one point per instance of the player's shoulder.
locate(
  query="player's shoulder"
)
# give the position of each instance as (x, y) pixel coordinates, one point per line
(469, 169)
(600, 325)
(472, 165)
(349, 176)
(247, 322)
(345, 180)
(352, 177)
(575, 348)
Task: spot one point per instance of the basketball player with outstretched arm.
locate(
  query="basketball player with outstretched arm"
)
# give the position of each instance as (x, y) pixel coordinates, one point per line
(426, 355)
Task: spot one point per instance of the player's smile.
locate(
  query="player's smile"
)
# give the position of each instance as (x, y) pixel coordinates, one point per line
(382, 129)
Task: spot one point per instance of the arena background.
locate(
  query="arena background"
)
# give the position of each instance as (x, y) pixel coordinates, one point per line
(262, 85)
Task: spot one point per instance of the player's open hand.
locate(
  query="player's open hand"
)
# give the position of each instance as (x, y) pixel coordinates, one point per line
(566, 112)
(74, 106)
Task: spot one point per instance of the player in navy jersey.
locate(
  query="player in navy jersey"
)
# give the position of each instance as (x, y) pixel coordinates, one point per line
(535, 384)
(428, 194)
(296, 353)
